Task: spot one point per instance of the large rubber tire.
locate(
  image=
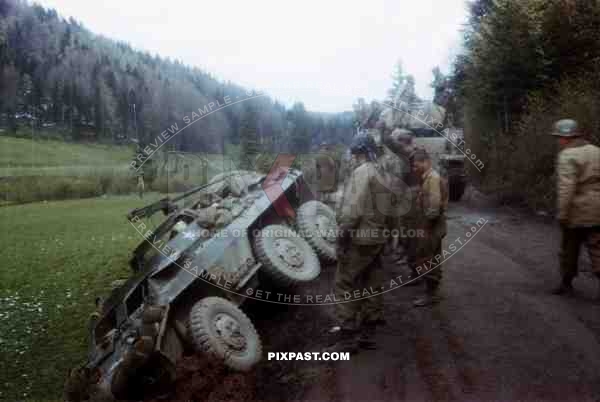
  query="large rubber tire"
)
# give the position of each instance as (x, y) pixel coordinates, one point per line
(309, 217)
(207, 319)
(267, 248)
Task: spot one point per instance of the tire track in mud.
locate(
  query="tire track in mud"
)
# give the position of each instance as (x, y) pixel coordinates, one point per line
(467, 376)
(441, 358)
(440, 353)
(419, 357)
(436, 379)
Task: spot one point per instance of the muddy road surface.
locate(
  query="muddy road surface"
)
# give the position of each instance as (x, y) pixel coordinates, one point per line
(497, 334)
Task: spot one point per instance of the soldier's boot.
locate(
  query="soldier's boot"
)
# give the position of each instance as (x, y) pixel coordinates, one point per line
(565, 287)
(431, 294)
(343, 341)
(425, 301)
(415, 276)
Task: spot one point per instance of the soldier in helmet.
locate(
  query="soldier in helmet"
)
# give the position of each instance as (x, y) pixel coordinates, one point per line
(578, 171)
(401, 143)
(362, 218)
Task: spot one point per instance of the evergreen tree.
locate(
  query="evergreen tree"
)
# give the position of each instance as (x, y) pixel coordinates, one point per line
(249, 146)
(403, 87)
(58, 71)
(300, 138)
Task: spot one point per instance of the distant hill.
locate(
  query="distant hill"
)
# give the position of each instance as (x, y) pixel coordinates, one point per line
(57, 75)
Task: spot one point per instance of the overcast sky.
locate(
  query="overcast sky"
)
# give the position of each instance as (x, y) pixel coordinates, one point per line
(325, 53)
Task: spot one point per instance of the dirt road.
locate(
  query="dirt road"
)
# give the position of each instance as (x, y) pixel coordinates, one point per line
(497, 334)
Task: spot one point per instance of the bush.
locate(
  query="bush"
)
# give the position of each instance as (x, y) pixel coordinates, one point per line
(174, 185)
(520, 166)
(23, 189)
(122, 185)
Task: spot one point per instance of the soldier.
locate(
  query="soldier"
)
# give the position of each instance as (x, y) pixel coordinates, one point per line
(140, 184)
(401, 143)
(396, 168)
(326, 173)
(432, 203)
(362, 220)
(578, 169)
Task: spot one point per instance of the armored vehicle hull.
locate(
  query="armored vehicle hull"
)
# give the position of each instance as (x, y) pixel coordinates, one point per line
(191, 275)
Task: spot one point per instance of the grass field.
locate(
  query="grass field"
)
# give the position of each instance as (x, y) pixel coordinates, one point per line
(56, 258)
(27, 156)
(22, 156)
(54, 170)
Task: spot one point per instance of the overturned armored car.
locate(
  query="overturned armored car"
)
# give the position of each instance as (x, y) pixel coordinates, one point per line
(192, 273)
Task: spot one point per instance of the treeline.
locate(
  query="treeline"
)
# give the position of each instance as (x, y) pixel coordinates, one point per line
(57, 76)
(527, 64)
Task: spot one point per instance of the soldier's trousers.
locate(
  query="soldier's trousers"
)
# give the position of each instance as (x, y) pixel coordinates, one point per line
(358, 272)
(572, 240)
(428, 249)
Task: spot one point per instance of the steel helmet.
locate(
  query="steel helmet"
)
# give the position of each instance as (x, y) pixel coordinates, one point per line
(364, 144)
(566, 128)
(401, 140)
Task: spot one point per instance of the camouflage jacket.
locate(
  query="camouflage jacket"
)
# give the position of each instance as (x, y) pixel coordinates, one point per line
(401, 186)
(578, 172)
(364, 212)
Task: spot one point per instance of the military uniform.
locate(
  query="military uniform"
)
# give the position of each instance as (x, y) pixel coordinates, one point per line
(140, 185)
(402, 202)
(432, 205)
(326, 176)
(362, 219)
(399, 143)
(578, 169)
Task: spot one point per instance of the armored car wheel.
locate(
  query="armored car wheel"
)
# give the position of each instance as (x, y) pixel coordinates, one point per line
(286, 257)
(220, 329)
(316, 223)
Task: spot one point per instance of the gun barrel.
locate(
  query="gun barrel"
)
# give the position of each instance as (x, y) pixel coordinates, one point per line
(168, 204)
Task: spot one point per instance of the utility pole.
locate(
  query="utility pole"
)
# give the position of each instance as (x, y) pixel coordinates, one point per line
(135, 124)
(32, 136)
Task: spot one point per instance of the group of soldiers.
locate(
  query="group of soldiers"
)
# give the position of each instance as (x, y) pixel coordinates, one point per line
(392, 189)
(393, 185)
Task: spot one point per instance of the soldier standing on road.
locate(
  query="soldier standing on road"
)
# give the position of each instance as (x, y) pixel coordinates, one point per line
(578, 171)
(401, 143)
(432, 203)
(362, 218)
